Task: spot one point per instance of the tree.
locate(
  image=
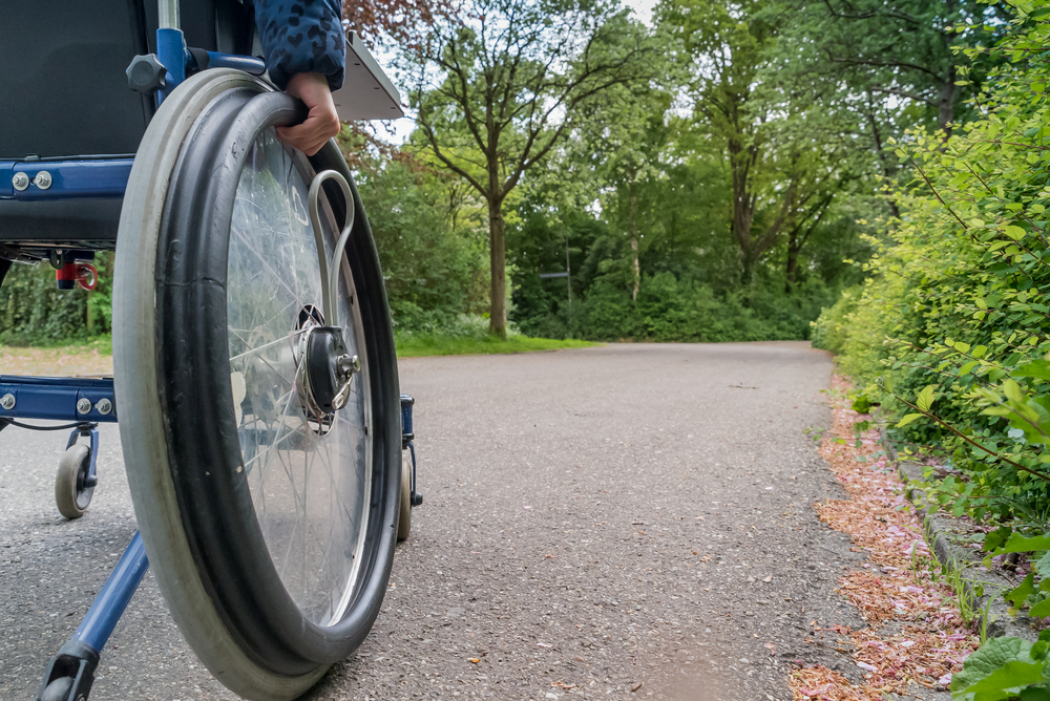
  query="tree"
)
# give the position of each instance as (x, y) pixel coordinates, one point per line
(426, 234)
(906, 52)
(405, 22)
(723, 43)
(511, 82)
(783, 154)
(622, 143)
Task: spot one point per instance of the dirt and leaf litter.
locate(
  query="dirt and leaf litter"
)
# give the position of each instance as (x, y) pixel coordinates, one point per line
(916, 636)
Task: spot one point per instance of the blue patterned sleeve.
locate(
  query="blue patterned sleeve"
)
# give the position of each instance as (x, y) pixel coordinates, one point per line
(301, 36)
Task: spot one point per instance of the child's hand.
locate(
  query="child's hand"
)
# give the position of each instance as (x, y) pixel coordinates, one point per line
(321, 124)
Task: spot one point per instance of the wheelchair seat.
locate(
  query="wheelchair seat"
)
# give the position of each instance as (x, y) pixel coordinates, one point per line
(66, 98)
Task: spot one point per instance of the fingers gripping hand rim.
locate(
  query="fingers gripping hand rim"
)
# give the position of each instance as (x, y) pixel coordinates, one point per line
(322, 122)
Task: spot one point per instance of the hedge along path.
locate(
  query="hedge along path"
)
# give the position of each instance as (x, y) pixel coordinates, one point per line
(928, 640)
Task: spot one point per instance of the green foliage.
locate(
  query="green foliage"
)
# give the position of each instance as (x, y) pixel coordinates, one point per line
(831, 330)
(669, 309)
(949, 331)
(34, 311)
(1004, 668)
(430, 243)
(499, 88)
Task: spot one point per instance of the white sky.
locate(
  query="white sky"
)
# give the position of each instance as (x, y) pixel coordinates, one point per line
(643, 9)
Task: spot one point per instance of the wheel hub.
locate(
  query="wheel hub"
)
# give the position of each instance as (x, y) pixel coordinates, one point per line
(325, 370)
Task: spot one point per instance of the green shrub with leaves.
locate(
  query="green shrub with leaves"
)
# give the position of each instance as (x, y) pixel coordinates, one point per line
(951, 330)
(1005, 668)
(670, 309)
(434, 267)
(34, 311)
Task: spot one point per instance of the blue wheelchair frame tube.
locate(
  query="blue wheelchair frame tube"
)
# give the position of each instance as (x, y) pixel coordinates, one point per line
(175, 56)
(70, 179)
(116, 593)
(172, 53)
(248, 64)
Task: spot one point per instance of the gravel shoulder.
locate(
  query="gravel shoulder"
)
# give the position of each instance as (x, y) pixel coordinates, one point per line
(628, 517)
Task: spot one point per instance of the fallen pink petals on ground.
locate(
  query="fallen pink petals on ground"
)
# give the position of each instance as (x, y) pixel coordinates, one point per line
(896, 583)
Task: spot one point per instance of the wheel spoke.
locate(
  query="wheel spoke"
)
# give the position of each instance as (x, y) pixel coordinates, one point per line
(309, 487)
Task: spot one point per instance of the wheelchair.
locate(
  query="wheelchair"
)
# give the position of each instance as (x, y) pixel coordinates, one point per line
(268, 448)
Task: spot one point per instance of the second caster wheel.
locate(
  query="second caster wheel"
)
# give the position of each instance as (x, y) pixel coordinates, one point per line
(71, 493)
(404, 523)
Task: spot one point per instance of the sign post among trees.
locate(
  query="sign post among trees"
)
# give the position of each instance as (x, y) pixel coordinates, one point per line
(495, 94)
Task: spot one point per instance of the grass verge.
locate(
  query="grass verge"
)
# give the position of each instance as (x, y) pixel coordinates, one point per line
(95, 357)
(416, 345)
(76, 358)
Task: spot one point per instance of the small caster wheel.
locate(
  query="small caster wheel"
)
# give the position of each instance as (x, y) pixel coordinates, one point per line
(58, 690)
(404, 523)
(71, 494)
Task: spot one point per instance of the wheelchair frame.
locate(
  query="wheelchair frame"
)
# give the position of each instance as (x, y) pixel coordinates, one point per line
(84, 403)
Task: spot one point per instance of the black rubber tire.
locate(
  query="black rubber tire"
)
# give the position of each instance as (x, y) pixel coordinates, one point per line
(174, 395)
(404, 518)
(70, 496)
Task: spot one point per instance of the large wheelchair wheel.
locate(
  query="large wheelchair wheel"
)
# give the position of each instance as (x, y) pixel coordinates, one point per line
(269, 515)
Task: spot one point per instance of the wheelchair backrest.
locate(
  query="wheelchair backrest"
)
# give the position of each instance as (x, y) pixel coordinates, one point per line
(63, 90)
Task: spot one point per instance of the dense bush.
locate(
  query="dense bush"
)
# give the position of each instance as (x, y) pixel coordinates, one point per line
(669, 309)
(434, 270)
(951, 331)
(33, 310)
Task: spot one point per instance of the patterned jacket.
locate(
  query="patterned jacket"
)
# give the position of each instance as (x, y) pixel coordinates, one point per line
(302, 36)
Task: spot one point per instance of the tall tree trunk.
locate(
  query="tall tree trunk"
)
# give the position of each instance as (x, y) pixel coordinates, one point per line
(498, 268)
(743, 206)
(634, 244)
(794, 248)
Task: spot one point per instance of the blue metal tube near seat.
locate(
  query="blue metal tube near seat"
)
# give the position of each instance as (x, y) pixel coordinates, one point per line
(64, 179)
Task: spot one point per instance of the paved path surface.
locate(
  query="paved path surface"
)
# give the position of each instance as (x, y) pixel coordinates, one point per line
(595, 519)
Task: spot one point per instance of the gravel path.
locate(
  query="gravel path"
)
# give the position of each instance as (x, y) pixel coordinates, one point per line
(620, 522)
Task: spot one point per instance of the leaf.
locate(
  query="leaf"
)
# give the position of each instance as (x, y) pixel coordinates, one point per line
(1015, 232)
(1005, 683)
(986, 665)
(996, 538)
(1021, 544)
(1040, 610)
(979, 351)
(926, 398)
(1013, 391)
(1018, 596)
(1042, 566)
(1039, 369)
(1036, 693)
(908, 419)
